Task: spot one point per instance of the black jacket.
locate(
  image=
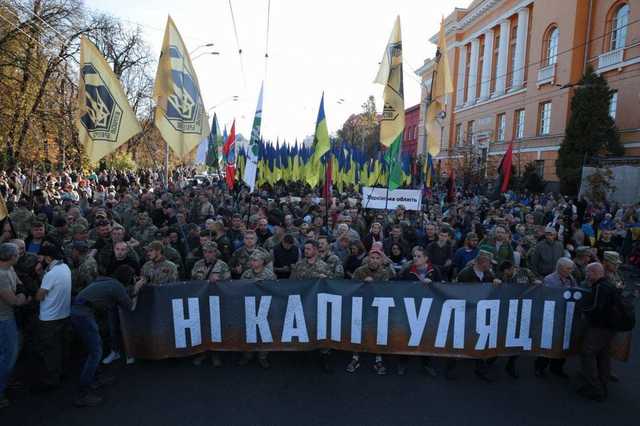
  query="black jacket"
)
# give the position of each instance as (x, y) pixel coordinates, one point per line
(598, 303)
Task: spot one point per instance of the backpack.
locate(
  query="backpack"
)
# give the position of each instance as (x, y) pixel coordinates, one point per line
(622, 315)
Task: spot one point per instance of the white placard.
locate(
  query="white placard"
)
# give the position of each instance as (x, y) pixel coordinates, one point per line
(376, 198)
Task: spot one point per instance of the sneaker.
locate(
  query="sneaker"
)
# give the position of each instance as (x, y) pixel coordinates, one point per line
(88, 400)
(131, 360)
(113, 356)
(353, 365)
(379, 368)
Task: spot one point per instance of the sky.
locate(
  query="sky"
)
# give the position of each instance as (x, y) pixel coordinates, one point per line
(314, 46)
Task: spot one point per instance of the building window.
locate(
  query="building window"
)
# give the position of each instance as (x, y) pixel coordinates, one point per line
(540, 168)
(467, 70)
(613, 105)
(519, 124)
(551, 46)
(494, 62)
(512, 53)
(501, 122)
(544, 121)
(470, 126)
(619, 26)
(459, 134)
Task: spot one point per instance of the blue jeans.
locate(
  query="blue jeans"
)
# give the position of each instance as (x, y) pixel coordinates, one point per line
(8, 351)
(87, 329)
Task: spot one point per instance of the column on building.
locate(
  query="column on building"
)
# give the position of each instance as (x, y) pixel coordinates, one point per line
(521, 44)
(473, 72)
(485, 84)
(462, 67)
(503, 55)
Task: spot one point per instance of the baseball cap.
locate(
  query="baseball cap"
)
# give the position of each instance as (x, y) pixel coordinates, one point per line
(612, 257)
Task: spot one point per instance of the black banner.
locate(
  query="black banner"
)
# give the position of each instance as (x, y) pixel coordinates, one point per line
(454, 320)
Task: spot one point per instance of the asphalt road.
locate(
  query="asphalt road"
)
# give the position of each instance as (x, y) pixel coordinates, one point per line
(295, 391)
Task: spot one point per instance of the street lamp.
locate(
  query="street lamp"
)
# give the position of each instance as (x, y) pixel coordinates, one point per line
(233, 98)
(204, 53)
(200, 47)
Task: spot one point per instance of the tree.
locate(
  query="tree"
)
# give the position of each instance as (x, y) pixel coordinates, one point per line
(363, 130)
(590, 130)
(599, 185)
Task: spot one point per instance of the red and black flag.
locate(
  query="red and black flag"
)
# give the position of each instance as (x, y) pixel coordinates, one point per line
(504, 172)
(451, 186)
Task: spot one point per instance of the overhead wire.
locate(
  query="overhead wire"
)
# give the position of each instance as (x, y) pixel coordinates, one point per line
(266, 48)
(543, 96)
(566, 51)
(235, 31)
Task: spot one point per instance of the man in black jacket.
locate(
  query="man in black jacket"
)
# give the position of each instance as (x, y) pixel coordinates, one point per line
(594, 354)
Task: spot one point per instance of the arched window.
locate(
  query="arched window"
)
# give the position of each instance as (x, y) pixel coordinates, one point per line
(619, 25)
(551, 46)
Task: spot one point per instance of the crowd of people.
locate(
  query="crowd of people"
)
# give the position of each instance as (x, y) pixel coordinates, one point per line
(76, 247)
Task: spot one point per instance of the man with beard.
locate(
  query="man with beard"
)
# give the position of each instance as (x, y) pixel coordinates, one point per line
(581, 260)
(441, 253)
(285, 255)
(236, 233)
(395, 237)
(498, 245)
(84, 268)
(466, 253)
(211, 268)
(275, 239)
(430, 235)
(324, 253)
(546, 253)
(157, 270)
(54, 296)
(240, 259)
(262, 231)
(222, 240)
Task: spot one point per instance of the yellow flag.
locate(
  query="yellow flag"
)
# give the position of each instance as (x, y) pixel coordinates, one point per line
(442, 86)
(105, 118)
(390, 75)
(180, 113)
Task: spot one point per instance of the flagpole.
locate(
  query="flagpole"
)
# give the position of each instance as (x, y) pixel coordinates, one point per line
(165, 164)
(434, 74)
(326, 195)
